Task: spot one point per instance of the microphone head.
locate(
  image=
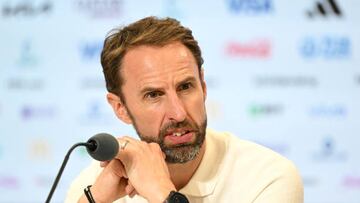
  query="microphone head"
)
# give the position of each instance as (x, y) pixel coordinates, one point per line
(105, 147)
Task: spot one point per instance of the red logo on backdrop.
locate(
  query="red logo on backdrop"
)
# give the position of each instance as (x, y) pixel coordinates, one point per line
(258, 48)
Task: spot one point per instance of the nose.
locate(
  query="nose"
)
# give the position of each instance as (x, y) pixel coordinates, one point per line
(175, 108)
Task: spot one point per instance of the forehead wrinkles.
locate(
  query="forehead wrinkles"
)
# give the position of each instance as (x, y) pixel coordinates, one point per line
(165, 77)
(156, 64)
(148, 56)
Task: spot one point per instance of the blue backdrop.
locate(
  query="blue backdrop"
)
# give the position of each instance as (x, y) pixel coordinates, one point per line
(285, 74)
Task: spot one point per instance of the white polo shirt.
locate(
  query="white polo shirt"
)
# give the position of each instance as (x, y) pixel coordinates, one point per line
(232, 170)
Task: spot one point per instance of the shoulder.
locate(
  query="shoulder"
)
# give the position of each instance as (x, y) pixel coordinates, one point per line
(246, 152)
(255, 171)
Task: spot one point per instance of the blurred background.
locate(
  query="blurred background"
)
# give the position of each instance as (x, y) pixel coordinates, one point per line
(285, 74)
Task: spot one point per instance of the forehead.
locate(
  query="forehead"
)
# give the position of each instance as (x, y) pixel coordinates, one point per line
(148, 63)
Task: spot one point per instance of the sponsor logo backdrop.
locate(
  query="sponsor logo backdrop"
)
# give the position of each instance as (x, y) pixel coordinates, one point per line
(284, 74)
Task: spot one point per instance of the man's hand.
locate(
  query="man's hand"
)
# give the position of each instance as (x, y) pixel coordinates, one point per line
(145, 166)
(138, 168)
(111, 184)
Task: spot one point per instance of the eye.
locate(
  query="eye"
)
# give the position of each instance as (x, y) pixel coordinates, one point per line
(153, 95)
(185, 86)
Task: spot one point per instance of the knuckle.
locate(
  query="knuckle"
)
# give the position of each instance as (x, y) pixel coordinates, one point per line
(155, 146)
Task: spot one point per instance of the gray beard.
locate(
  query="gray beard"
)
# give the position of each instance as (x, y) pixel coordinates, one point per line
(179, 153)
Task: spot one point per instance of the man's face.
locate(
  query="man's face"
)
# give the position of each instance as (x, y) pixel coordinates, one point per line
(165, 99)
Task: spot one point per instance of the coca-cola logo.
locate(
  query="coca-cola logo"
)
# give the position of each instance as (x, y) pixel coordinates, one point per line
(257, 48)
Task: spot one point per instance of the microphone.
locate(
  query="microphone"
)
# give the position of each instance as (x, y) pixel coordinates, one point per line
(102, 147)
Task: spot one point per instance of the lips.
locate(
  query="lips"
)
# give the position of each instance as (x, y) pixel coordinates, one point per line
(179, 137)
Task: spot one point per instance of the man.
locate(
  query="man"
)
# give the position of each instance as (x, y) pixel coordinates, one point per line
(154, 76)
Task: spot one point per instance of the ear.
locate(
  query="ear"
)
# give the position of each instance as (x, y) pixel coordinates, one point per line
(119, 108)
(203, 83)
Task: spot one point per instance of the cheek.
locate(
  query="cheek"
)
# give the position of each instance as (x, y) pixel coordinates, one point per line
(196, 109)
(148, 120)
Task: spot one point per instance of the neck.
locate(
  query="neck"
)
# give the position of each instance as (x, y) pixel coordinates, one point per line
(181, 174)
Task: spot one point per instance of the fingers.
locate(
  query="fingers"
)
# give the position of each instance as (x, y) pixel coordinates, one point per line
(128, 148)
(130, 190)
(145, 166)
(118, 168)
(123, 144)
(155, 147)
(130, 163)
(113, 177)
(133, 193)
(104, 163)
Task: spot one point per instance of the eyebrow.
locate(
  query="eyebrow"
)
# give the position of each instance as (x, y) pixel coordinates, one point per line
(151, 89)
(188, 79)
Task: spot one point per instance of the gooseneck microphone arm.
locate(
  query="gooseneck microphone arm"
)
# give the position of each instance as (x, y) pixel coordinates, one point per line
(102, 147)
(56, 181)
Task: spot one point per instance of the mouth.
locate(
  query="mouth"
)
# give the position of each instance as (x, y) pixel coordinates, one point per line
(178, 137)
(178, 133)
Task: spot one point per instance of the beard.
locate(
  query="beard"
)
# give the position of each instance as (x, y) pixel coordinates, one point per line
(181, 153)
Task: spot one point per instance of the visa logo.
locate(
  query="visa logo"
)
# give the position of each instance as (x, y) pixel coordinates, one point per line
(251, 6)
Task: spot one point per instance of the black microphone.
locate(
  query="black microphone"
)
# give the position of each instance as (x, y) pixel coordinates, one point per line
(102, 147)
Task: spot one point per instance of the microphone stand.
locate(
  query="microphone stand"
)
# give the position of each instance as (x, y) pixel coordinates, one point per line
(89, 145)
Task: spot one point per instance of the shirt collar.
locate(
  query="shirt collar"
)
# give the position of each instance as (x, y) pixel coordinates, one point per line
(206, 176)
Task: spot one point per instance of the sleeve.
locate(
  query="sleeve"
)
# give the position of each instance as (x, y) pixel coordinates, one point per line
(286, 187)
(85, 178)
